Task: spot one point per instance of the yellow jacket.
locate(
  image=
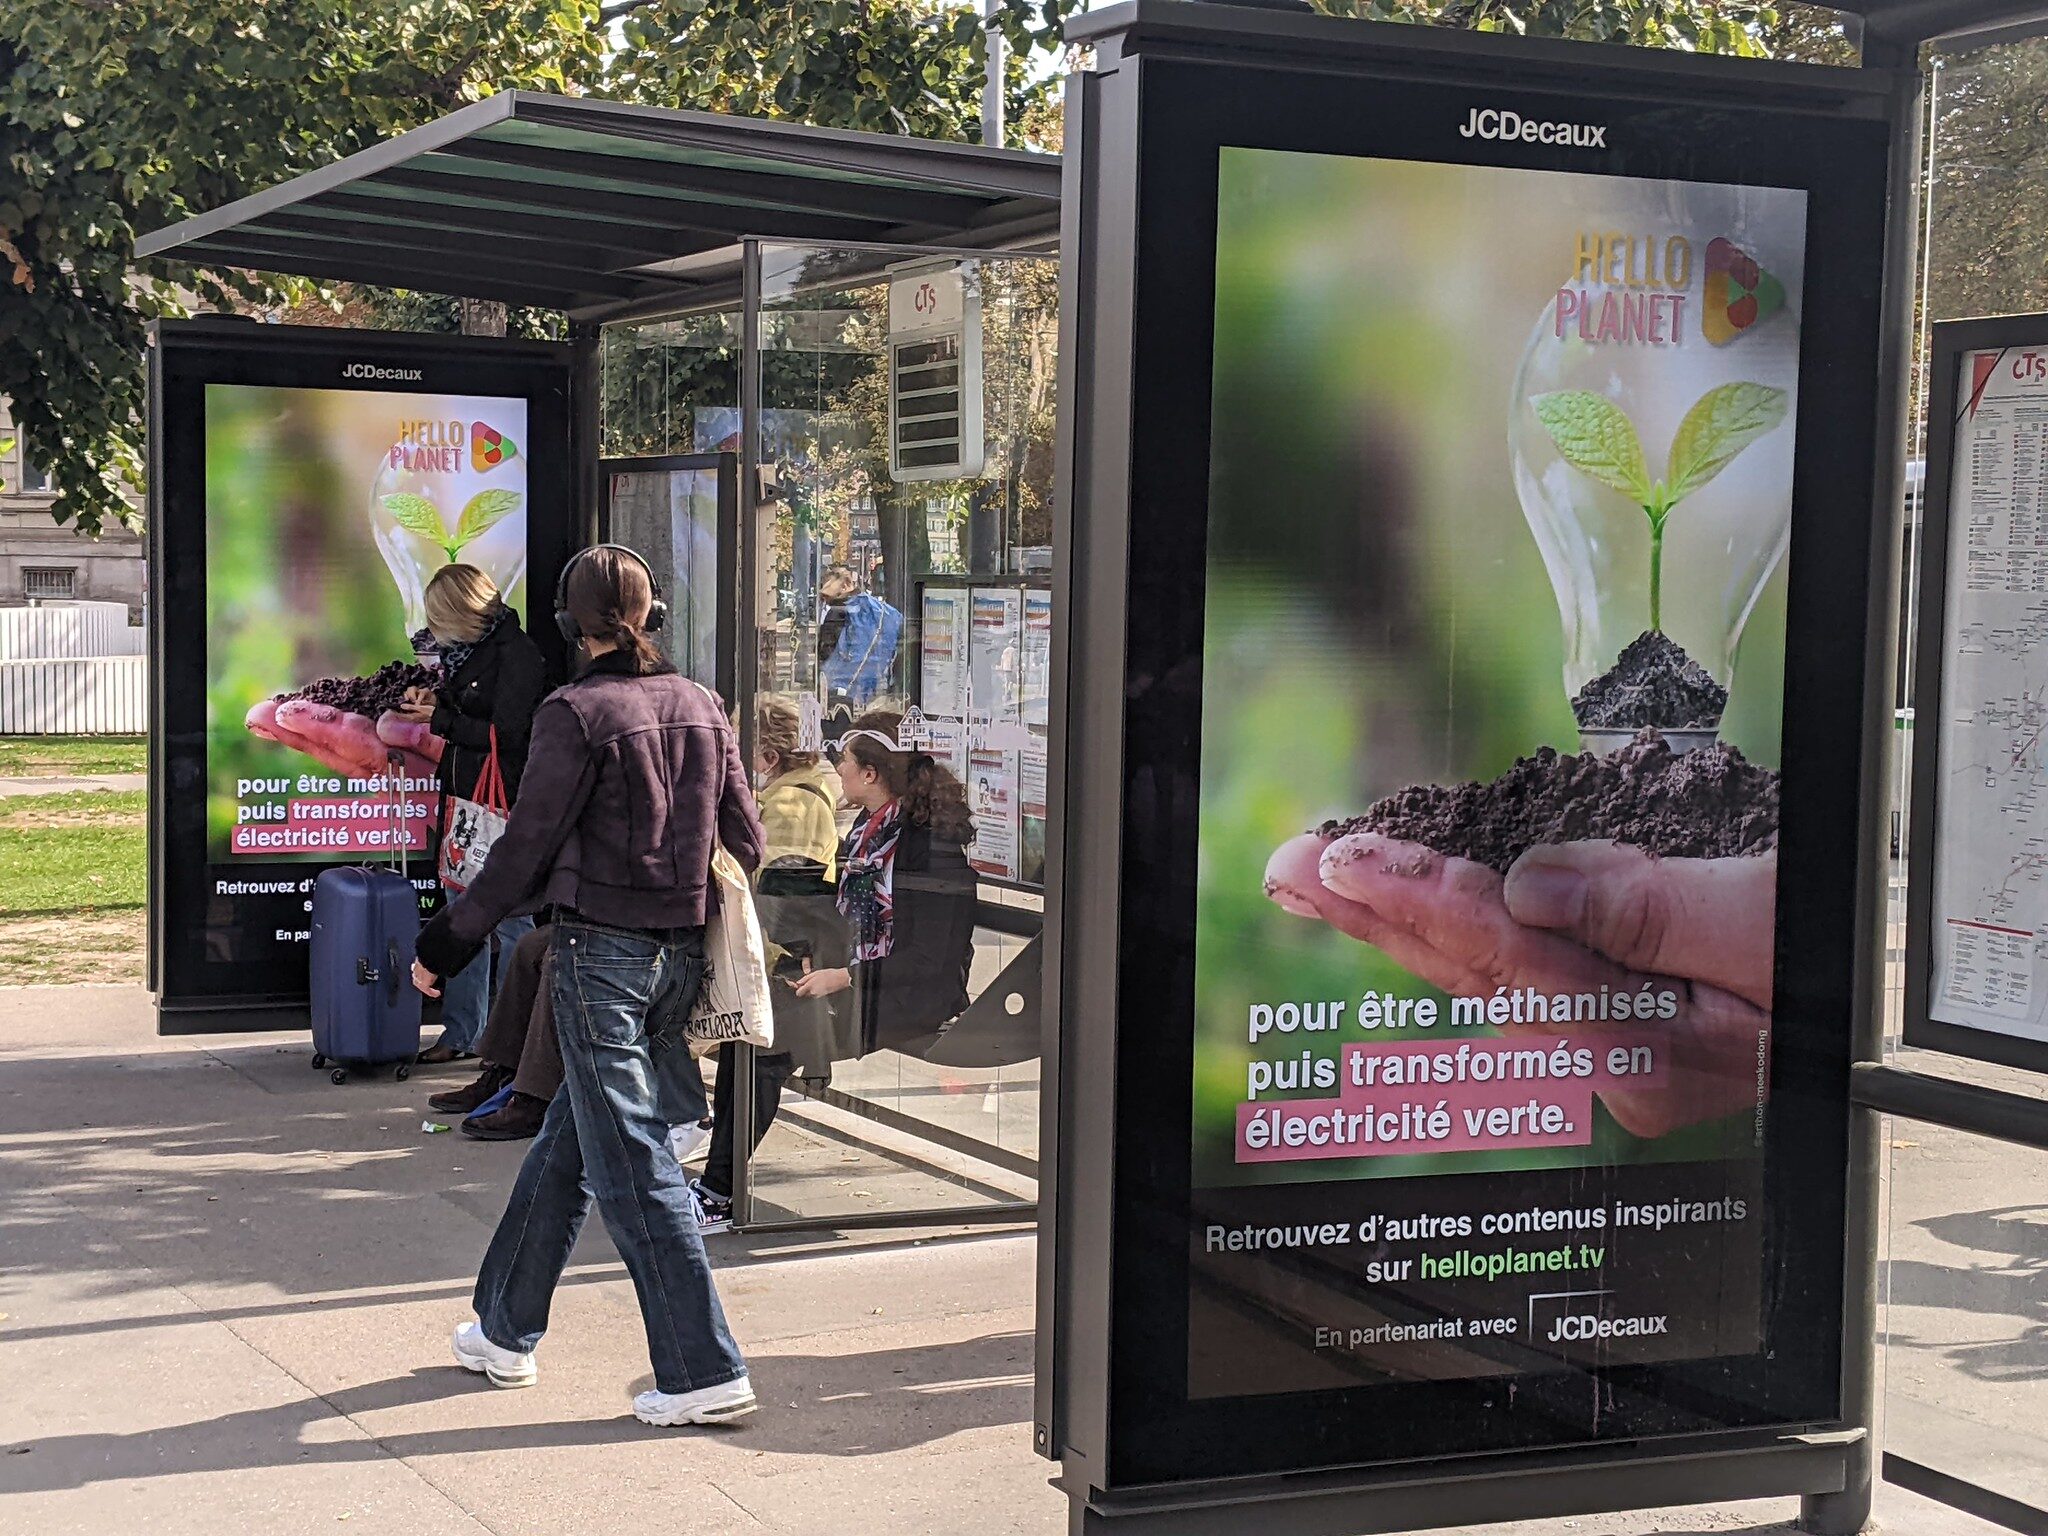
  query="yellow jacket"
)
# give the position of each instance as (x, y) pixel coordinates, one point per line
(797, 817)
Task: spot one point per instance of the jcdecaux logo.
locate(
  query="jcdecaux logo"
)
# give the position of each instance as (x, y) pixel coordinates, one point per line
(1493, 123)
(372, 371)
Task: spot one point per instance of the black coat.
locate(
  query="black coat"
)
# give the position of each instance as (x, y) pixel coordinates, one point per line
(905, 998)
(501, 684)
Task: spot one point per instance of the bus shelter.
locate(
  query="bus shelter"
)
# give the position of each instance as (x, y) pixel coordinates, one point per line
(755, 313)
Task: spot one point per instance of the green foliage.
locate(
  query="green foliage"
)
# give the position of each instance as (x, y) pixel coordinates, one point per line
(121, 116)
(118, 118)
(1699, 26)
(888, 66)
(1987, 241)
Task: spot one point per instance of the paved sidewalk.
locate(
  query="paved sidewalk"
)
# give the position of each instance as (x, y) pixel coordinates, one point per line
(226, 1288)
(64, 783)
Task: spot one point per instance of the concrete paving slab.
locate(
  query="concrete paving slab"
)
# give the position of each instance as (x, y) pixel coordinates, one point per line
(228, 1285)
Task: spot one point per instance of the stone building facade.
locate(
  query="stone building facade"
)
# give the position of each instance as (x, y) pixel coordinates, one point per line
(43, 561)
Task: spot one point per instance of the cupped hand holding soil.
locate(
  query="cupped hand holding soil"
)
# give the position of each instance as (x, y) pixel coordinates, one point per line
(1569, 917)
(343, 741)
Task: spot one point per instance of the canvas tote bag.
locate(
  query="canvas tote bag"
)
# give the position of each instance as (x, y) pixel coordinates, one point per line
(474, 826)
(732, 1003)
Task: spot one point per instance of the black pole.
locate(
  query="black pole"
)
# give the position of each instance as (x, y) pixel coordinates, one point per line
(585, 430)
(1847, 1512)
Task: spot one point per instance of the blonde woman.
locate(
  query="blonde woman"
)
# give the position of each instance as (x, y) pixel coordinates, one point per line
(492, 679)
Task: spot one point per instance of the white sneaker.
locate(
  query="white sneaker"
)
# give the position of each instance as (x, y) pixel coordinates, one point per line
(707, 1405)
(689, 1141)
(505, 1367)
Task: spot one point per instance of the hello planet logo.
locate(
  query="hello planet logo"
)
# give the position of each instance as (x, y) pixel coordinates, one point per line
(488, 447)
(1738, 292)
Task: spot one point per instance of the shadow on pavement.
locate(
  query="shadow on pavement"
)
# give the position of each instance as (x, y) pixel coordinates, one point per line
(862, 1404)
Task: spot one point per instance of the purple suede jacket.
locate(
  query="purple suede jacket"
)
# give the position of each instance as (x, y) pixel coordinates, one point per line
(631, 780)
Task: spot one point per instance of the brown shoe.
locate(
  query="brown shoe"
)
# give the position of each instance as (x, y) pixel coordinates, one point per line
(460, 1101)
(441, 1055)
(519, 1120)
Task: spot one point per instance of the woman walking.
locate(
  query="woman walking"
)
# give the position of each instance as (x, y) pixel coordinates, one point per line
(633, 778)
(491, 683)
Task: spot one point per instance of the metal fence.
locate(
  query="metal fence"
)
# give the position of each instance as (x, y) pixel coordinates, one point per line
(68, 630)
(75, 696)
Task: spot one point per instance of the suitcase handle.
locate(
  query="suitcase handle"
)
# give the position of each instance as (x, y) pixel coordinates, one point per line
(391, 972)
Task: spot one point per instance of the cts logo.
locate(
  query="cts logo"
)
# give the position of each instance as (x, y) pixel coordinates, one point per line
(1489, 123)
(372, 371)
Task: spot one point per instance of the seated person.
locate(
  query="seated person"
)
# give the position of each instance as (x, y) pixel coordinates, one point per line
(798, 799)
(518, 1049)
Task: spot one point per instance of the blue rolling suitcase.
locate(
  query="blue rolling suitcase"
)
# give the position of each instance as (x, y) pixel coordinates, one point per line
(366, 1011)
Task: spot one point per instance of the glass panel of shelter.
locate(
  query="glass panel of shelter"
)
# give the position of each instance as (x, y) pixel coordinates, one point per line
(908, 1084)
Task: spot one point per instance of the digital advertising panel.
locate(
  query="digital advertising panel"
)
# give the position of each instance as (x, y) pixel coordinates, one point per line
(1420, 1025)
(1483, 524)
(310, 488)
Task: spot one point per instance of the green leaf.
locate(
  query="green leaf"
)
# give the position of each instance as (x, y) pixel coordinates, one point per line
(1596, 438)
(417, 515)
(1722, 423)
(485, 509)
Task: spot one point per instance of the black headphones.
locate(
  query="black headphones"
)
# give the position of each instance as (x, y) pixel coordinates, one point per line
(657, 611)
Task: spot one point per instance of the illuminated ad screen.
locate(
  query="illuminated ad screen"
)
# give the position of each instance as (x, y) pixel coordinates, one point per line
(1508, 912)
(1494, 1038)
(300, 538)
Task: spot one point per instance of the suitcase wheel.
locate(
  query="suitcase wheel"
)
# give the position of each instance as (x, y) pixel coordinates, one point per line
(404, 1071)
(319, 1061)
(338, 1075)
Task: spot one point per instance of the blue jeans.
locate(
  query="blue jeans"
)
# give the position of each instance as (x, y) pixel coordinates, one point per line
(466, 997)
(619, 997)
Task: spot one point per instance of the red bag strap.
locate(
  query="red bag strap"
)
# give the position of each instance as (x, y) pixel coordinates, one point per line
(490, 782)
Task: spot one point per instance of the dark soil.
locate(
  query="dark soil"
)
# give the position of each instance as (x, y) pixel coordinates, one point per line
(381, 690)
(1653, 683)
(1706, 804)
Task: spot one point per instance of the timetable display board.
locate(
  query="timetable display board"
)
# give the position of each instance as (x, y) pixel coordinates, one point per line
(1977, 952)
(984, 686)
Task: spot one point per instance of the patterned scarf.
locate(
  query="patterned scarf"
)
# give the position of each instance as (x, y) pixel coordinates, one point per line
(867, 881)
(455, 654)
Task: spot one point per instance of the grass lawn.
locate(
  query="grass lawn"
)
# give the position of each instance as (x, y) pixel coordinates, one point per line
(73, 876)
(25, 757)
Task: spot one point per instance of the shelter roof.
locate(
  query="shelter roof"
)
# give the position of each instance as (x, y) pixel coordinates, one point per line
(603, 209)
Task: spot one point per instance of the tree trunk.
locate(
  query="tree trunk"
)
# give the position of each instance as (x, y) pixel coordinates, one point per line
(483, 317)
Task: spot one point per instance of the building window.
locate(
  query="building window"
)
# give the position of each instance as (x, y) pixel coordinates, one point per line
(48, 582)
(34, 479)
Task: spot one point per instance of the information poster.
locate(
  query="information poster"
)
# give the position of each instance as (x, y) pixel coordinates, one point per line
(328, 511)
(942, 652)
(1031, 790)
(996, 659)
(1037, 658)
(1990, 904)
(992, 791)
(1514, 656)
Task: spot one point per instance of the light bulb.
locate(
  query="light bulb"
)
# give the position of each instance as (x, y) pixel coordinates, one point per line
(451, 478)
(1727, 529)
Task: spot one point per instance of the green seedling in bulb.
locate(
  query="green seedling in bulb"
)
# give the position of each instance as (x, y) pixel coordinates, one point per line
(1596, 437)
(419, 516)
